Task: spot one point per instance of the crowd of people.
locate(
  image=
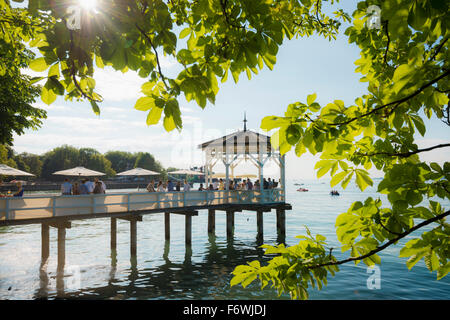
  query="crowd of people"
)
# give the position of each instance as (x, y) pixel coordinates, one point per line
(169, 185)
(85, 186)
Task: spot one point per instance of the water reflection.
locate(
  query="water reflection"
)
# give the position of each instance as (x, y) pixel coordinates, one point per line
(208, 277)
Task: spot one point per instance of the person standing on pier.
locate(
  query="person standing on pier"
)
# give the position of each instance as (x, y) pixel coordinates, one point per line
(249, 185)
(75, 189)
(83, 187)
(90, 185)
(170, 185)
(187, 186)
(102, 184)
(160, 187)
(66, 188)
(151, 186)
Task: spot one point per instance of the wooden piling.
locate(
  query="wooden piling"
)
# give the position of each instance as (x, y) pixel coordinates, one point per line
(114, 234)
(45, 242)
(259, 224)
(188, 231)
(61, 248)
(167, 225)
(133, 237)
(211, 221)
(281, 223)
(230, 223)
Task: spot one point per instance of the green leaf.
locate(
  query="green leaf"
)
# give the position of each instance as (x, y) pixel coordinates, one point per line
(293, 134)
(54, 70)
(48, 96)
(144, 103)
(443, 271)
(311, 98)
(402, 76)
(347, 180)
(324, 165)
(184, 33)
(338, 178)
(38, 64)
(362, 179)
(95, 107)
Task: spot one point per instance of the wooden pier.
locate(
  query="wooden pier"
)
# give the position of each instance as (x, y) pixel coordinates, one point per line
(58, 212)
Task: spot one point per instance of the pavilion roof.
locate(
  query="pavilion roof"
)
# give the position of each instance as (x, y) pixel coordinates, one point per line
(239, 138)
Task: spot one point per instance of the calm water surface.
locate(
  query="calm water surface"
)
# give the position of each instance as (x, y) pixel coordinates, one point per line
(164, 270)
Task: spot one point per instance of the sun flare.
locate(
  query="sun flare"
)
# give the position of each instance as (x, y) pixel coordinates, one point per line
(88, 4)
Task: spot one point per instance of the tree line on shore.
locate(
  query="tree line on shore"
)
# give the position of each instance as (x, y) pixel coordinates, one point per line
(65, 157)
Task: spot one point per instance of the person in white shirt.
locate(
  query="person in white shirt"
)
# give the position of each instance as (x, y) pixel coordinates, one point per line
(66, 187)
(215, 185)
(160, 187)
(186, 186)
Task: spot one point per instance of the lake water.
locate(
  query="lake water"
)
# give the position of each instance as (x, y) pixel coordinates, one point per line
(170, 271)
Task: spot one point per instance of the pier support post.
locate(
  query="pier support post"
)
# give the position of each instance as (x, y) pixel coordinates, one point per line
(45, 242)
(259, 224)
(133, 237)
(188, 232)
(230, 223)
(281, 224)
(114, 234)
(61, 226)
(167, 225)
(211, 221)
(61, 248)
(133, 219)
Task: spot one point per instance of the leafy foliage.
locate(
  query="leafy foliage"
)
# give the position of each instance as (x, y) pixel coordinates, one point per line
(221, 37)
(406, 66)
(17, 91)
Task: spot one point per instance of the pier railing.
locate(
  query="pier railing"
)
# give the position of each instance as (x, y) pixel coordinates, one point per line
(44, 206)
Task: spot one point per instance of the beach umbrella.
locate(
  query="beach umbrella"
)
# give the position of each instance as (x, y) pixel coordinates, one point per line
(187, 172)
(138, 172)
(8, 171)
(79, 172)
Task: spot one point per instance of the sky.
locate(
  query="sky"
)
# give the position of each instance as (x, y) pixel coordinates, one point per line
(304, 66)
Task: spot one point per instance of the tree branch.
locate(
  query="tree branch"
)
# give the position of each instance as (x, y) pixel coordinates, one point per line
(438, 49)
(397, 102)
(404, 154)
(163, 78)
(384, 246)
(73, 73)
(388, 43)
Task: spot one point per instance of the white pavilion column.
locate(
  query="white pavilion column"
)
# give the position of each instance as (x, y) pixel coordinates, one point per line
(227, 172)
(283, 175)
(261, 175)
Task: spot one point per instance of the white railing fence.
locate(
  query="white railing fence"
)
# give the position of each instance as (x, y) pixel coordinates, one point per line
(45, 206)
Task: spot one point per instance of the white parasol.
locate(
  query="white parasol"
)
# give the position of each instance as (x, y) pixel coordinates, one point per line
(8, 171)
(78, 172)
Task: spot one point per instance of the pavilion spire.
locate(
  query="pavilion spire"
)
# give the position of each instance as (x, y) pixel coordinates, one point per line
(245, 121)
